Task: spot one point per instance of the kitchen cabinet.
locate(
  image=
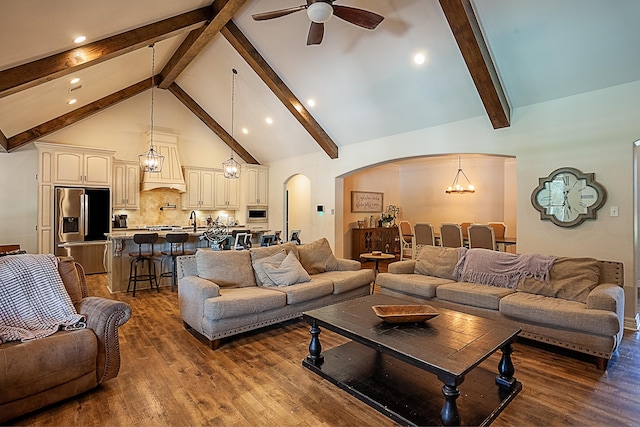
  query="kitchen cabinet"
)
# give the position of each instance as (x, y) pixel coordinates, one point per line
(256, 185)
(364, 240)
(61, 165)
(126, 185)
(81, 168)
(200, 188)
(227, 192)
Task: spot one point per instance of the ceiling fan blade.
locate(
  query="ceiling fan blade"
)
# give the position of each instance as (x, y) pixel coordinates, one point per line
(277, 13)
(360, 17)
(316, 32)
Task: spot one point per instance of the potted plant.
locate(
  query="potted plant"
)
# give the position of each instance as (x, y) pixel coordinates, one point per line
(387, 219)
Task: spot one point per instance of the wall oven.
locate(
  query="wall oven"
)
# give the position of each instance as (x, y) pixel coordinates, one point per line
(255, 214)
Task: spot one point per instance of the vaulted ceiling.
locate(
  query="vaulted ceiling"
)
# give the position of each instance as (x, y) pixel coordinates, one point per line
(483, 58)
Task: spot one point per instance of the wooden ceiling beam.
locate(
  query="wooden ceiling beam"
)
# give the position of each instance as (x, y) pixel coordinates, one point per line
(78, 114)
(197, 39)
(466, 30)
(34, 73)
(241, 44)
(199, 112)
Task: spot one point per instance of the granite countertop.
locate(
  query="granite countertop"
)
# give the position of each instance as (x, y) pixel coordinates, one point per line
(127, 233)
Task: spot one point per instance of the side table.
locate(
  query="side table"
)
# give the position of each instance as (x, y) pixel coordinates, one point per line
(369, 256)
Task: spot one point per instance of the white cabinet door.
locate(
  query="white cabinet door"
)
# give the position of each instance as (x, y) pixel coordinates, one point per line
(257, 185)
(126, 185)
(78, 168)
(97, 169)
(227, 192)
(200, 188)
(207, 190)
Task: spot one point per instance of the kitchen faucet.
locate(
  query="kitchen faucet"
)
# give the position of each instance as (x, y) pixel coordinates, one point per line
(192, 217)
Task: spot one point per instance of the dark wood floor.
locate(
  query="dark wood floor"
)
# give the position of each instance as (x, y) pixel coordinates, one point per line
(168, 378)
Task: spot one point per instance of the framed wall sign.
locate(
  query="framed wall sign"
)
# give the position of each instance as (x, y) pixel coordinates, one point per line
(366, 201)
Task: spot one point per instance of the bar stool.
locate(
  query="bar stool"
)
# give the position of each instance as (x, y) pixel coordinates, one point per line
(142, 256)
(176, 248)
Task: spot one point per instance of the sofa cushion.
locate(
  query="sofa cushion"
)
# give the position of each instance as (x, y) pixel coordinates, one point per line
(288, 272)
(437, 261)
(317, 257)
(311, 290)
(473, 294)
(228, 269)
(267, 251)
(559, 313)
(345, 281)
(410, 283)
(262, 279)
(36, 365)
(242, 301)
(569, 278)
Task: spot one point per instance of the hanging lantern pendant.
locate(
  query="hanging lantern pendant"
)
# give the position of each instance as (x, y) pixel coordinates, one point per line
(231, 168)
(152, 160)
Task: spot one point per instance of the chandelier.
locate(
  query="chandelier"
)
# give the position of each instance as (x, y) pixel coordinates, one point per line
(152, 160)
(231, 168)
(456, 187)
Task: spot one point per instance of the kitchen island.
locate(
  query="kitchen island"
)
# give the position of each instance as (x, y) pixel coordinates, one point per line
(121, 244)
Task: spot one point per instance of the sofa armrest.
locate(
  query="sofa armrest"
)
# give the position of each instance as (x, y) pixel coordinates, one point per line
(193, 291)
(402, 267)
(607, 296)
(104, 317)
(348, 264)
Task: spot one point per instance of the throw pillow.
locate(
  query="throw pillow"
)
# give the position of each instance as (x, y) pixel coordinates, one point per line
(258, 266)
(437, 261)
(317, 257)
(228, 269)
(289, 272)
(569, 278)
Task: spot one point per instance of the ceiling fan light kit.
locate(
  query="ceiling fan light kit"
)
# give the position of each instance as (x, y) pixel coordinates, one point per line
(321, 11)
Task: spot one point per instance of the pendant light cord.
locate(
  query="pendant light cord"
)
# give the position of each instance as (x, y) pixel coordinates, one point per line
(233, 102)
(153, 74)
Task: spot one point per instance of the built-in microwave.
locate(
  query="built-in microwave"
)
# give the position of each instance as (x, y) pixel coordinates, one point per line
(255, 214)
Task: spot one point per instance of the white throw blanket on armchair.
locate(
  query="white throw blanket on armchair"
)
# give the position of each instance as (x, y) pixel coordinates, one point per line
(33, 300)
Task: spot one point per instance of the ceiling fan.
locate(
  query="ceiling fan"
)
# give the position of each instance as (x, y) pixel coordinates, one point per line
(320, 11)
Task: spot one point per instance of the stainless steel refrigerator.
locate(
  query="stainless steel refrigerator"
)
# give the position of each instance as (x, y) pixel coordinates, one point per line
(83, 216)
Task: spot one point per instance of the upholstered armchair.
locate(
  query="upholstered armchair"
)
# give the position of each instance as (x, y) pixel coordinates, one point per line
(39, 372)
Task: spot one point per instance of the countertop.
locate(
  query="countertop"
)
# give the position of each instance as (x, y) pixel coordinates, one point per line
(124, 233)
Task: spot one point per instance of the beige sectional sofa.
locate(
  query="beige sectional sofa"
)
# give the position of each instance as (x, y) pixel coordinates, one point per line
(576, 303)
(223, 293)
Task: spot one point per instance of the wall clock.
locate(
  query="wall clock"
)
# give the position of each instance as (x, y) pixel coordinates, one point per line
(567, 197)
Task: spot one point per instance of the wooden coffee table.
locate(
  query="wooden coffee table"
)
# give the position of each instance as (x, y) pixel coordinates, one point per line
(394, 367)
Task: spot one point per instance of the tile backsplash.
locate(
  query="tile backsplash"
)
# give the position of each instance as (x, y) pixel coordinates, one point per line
(151, 214)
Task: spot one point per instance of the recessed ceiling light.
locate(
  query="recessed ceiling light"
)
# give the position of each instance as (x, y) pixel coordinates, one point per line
(72, 101)
(79, 39)
(74, 80)
(269, 120)
(311, 102)
(419, 58)
(245, 131)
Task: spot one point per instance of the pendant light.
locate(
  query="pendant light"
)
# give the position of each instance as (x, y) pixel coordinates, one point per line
(152, 160)
(231, 168)
(455, 187)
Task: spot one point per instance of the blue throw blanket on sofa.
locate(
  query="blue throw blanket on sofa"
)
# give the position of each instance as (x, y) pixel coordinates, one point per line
(501, 269)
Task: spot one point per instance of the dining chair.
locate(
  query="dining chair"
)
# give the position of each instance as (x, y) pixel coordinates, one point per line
(451, 235)
(481, 236)
(500, 230)
(405, 230)
(423, 235)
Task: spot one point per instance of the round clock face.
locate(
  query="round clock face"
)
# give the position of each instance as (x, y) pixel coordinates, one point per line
(567, 197)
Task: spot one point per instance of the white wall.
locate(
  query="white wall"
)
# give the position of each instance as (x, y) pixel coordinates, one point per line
(593, 132)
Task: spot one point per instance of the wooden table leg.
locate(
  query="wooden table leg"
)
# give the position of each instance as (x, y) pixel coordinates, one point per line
(315, 356)
(449, 414)
(505, 368)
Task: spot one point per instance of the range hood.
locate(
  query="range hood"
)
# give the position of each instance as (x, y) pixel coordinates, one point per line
(171, 174)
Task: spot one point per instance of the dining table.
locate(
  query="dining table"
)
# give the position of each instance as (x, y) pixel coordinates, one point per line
(504, 241)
